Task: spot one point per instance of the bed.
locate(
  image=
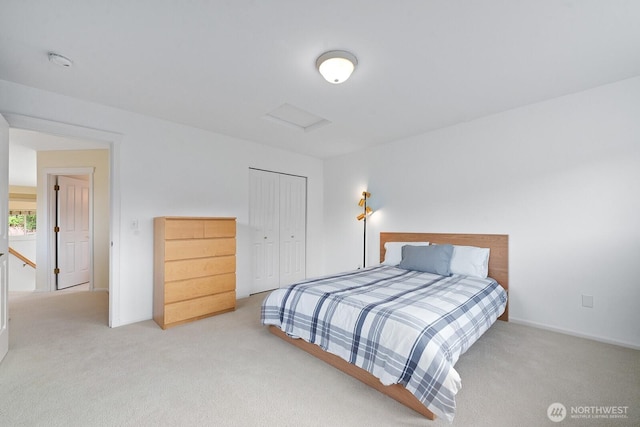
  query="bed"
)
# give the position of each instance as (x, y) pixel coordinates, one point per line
(397, 330)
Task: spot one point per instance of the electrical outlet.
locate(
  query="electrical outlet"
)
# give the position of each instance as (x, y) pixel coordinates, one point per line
(587, 301)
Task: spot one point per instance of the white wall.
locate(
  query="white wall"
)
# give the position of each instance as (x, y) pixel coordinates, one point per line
(169, 169)
(561, 178)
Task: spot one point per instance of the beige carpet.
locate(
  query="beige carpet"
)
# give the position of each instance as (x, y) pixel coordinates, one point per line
(67, 368)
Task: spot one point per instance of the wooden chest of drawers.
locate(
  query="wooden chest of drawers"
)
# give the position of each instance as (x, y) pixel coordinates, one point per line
(194, 268)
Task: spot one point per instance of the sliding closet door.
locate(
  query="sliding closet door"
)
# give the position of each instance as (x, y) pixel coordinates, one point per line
(277, 218)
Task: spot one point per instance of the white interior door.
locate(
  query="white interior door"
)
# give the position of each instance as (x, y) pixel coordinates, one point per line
(74, 249)
(278, 222)
(4, 237)
(264, 224)
(293, 228)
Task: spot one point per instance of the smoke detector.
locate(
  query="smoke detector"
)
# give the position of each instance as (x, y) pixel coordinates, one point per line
(60, 60)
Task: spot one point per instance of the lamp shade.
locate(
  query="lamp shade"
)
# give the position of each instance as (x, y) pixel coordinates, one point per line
(336, 66)
(366, 210)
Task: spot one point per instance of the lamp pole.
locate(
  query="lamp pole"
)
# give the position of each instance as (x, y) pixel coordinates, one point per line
(364, 239)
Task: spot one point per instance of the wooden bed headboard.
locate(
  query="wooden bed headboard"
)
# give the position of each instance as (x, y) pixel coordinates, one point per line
(497, 243)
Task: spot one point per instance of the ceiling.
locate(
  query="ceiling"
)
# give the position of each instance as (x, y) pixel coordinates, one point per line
(225, 65)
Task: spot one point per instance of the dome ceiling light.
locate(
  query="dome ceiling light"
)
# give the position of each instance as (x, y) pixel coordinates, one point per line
(336, 65)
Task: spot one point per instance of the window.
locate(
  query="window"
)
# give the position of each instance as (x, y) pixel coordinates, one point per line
(22, 223)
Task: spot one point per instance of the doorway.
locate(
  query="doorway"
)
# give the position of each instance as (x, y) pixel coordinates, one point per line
(79, 140)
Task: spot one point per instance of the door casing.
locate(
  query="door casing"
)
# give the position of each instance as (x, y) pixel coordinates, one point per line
(4, 237)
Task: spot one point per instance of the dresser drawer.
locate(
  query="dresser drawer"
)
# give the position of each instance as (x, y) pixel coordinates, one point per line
(184, 229)
(192, 268)
(199, 307)
(193, 288)
(199, 248)
(220, 228)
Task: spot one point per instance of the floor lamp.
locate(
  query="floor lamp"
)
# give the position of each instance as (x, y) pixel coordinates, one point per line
(366, 211)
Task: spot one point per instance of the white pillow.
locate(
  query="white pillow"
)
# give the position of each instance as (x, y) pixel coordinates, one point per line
(470, 261)
(393, 251)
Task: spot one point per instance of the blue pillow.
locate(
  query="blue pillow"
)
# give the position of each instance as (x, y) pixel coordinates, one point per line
(434, 259)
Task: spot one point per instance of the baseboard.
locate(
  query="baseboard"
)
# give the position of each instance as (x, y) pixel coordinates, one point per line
(573, 333)
(131, 322)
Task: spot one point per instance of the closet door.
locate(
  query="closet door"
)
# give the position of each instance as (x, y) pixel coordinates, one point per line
(264, 221)
(277, 218)
(293, 227)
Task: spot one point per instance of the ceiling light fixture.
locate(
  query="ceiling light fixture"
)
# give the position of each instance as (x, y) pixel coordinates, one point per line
(58, 59)
(336, 65)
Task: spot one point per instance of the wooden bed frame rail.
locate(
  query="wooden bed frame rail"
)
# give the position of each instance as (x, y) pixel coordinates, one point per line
(395, 391)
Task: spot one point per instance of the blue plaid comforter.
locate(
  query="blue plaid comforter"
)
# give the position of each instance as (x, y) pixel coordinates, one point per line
(402, 326)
